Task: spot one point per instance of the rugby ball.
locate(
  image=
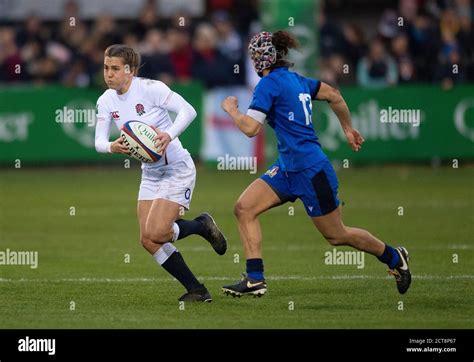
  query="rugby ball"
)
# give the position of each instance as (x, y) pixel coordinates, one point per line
(138, 137)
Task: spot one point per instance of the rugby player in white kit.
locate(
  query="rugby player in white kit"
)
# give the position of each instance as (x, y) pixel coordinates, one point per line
(167, 185)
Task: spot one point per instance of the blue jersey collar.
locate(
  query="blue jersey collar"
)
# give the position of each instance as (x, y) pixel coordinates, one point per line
(282, 67)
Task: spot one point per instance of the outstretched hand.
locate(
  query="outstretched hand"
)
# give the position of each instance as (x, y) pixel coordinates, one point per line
(354, 138)
(230, 104)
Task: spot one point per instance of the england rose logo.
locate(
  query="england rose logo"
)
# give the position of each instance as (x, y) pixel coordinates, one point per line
(140, 109)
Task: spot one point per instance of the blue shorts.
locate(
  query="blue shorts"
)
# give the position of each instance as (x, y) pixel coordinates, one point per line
(315, 186)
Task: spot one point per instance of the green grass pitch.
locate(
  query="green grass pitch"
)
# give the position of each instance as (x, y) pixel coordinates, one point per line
(82, 256)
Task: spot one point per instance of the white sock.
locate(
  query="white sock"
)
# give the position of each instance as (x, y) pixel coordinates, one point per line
(162, 255)
(175, 232)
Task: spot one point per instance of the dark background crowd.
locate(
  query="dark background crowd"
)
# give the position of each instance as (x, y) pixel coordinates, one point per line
(370, 43)
(410, 42)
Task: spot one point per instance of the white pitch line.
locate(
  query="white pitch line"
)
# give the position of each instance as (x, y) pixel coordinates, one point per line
(284, 278)
(422, 203)
(323, 248)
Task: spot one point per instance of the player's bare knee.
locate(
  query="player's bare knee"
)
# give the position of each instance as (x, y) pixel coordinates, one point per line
(238, 209)
(241, 210)
(339, 239)
(159, 235)
(147, 243)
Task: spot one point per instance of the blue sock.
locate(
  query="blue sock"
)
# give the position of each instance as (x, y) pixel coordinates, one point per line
(390, 257)
(255, 269)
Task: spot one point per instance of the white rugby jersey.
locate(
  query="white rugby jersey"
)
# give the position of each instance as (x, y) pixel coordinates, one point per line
(145, 102)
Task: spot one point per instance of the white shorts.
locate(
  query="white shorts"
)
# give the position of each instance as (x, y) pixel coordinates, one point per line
(174, 182)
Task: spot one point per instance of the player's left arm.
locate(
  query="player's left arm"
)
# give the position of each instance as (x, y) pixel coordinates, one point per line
(185, 114)
(339, 107)
(247, 124)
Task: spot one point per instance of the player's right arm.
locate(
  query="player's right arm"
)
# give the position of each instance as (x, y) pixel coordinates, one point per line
(247, 124)
(339, 107)
(266, 91)
(102, 132)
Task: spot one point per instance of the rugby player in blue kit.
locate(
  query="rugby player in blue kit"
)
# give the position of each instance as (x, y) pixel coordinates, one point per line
(302, 171)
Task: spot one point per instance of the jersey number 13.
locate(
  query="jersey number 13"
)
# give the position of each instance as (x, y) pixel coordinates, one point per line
(305, 99)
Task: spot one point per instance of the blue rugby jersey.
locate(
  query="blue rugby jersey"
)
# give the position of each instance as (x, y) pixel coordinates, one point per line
(285, 97)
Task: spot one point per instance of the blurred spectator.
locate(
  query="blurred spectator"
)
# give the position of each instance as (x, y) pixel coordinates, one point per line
(424, 43)
(355, 46)
(464, 9)
(407, 9)
(400, 47)
(230, 44)
(406, 71)
(335, 71)
(45, 70)
(153, 42)
(330, 37)
(156, 63)
(449, 22)
(209, 64)
(449, 70)
(11, 66)
(388, 25)
(105, 28)
(77, 75)
(31, 52)
(131, 39)
(229, 41)
(377, 69)
(58, 52)
(434, 8)
(148, 20)
(181, 20)
(401, 53)
(32, 31)
(72, 31)
(465, 39)
(91, 55)
(181, 53)
(244, 12)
